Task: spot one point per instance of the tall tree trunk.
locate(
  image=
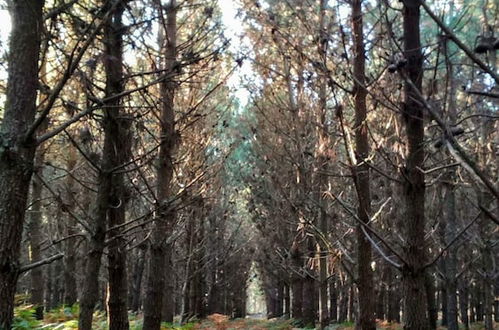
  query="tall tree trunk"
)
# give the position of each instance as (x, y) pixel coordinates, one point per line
(333, 299)
(111, 198)
(321, 167)
(48, 287)
(351, 303)
(343, 301)
(35, 237)
(413, 274)
(449, 207)
(170, 302)
(57, 287)
(464, 302)
(70, 291)
(431, 301)
(393, 296)
(309, 299)
(160, 250)
(296, 283)
(90, 289)
(138, 271)
(117, 127)
(366, 320)
(17, 154)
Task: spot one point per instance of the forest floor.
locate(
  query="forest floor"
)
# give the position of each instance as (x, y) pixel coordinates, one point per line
(67, 318)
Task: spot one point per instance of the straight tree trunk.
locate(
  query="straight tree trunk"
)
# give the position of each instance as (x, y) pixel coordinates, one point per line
(333, 300)
(111, 200)
(343, 301)
(309, 300)
(366, 320)
(280, 299)
(70, 289)
(48, 287)
(431, 301)
(36, 238)
(413, 274)
(160, 250)
(57, 287)
(117, 127)
(449, 209)
(287, 300)
(393, 296)
(464, 302)
(169, 297)
(443, 294)
(138, 271)
(296, 283)
(17, 154)
(321, 166)
(351, 303)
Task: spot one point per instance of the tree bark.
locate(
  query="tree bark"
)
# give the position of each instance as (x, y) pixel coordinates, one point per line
(138, 271)
(117, 127)
(413, 274)
(160, 250)
(449, 209)
(321, 167)
(333, 299)
(17, 154)
(111, 198)
(464, 302)
(393, 296)
(431, 301)
(70, 289)
(309, 299)
(36, 239)
(366, 320)
(296, 283)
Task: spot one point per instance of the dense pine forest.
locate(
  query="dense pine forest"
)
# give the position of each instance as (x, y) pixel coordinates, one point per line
(249, 164)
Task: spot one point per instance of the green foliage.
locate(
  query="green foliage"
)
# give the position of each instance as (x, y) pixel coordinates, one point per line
(63, 313)
(24, 318)
(176, 326)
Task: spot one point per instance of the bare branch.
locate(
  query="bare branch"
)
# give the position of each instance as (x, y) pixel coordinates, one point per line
(42, 262)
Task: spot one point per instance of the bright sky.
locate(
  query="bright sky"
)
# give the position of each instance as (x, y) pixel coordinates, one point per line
(234, 31)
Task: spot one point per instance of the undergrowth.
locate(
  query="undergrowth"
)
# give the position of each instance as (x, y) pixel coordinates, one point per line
(66, 318)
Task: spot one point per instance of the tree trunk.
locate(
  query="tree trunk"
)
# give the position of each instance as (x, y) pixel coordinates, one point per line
(138, 271)
(431, 301)
(17, 154)
(160, 251)
(111, 197)
(488, 300)
(48, 287)
(280, 299)
(309, 299)
(464, 302)
(117, 127)
(70, 291)
(321, 168)
(297, 301)
(36, 238)
(57, 287)
(90, 291)
(351, 303)
(443, 294)
(343, 302)
(333, 300)
(449, 209)
(366, 320)
(413, 274)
